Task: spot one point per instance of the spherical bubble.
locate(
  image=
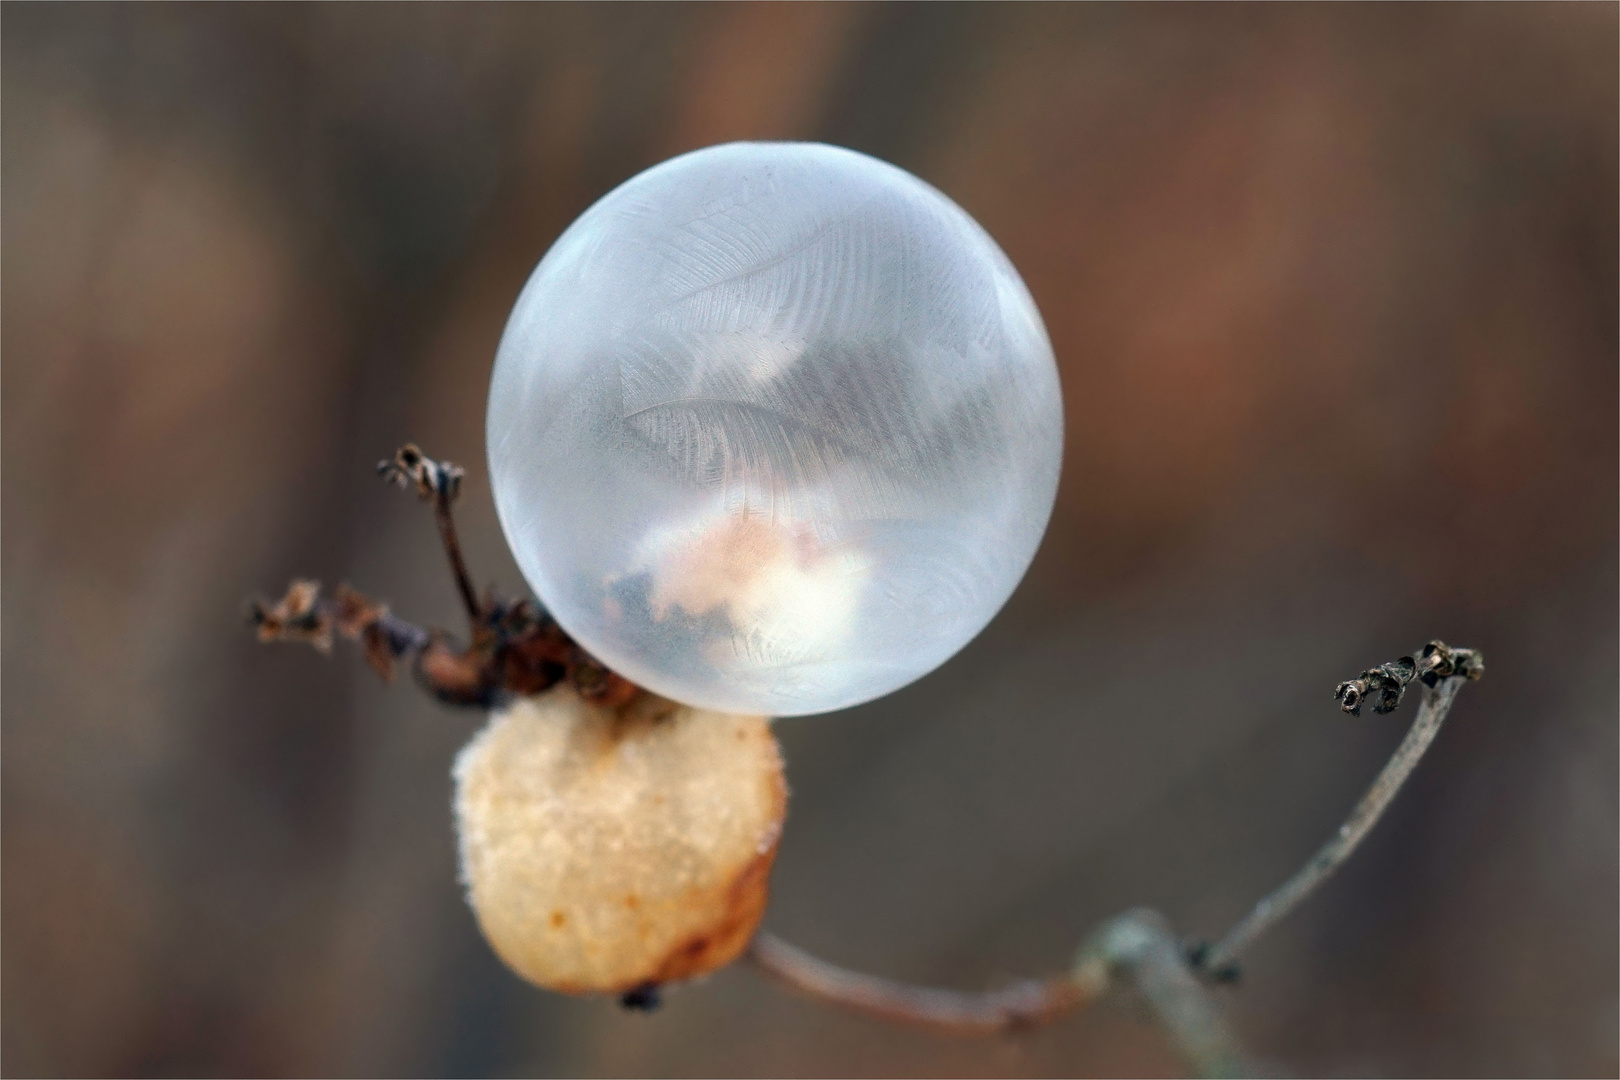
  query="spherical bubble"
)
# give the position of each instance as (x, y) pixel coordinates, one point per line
(774, 428)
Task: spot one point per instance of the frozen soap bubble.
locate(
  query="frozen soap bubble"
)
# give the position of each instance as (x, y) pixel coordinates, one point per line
(774, 428)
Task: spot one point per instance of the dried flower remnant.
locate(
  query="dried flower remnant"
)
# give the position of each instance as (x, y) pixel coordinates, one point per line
(1440, 661)
(295, 617)
(515, 648)
(611, 841)
(1385, 684)
(613, 850)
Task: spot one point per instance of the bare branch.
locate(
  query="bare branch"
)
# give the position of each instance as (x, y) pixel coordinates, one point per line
(1137, 949)
(1443, 671)
(1020, 1006)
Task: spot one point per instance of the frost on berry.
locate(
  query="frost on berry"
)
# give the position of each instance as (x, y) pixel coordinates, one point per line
(607, 849)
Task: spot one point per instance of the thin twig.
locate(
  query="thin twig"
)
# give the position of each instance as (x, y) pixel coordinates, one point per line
(1137, 948)
(1432, 712)
(458, 567)
(438, 483)
(1026, 1004)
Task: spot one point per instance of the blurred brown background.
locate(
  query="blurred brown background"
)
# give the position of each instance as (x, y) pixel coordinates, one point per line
(1333, 290)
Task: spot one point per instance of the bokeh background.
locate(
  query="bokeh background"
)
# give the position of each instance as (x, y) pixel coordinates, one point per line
(1333, 291)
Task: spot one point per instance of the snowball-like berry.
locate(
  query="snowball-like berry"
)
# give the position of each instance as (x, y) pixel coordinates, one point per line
(774, 428)
(607, 849)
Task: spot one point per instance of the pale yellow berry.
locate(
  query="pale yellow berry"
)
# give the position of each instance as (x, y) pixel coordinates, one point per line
(607, 849)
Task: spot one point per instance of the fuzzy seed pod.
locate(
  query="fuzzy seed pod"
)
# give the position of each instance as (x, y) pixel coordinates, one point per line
(607, 849)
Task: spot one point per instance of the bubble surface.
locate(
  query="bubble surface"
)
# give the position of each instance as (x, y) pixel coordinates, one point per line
(774, 428)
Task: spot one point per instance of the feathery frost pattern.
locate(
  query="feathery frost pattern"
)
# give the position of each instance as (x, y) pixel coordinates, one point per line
(774, 428)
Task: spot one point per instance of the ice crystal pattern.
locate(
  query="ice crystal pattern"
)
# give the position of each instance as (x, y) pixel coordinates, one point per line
(774, 428)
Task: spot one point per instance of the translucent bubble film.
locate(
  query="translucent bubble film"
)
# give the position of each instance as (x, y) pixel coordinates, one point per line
(774, 428)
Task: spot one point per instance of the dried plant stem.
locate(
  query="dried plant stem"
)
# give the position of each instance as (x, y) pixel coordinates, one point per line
(1137, 949)
(1022, 1005)
(1437, 701)
(452, 550)
(438, 482)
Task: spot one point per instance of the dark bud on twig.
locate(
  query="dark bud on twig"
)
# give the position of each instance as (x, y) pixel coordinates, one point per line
(644, 998)
(1440, 660)
(432, 479)
(1382, 687)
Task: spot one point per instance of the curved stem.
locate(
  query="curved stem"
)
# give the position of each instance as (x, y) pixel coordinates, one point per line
(438, 482)
(1022, 1005)
(1436, 704)
(1137, 947)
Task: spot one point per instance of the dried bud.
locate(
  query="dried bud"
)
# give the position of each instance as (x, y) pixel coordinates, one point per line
(409, 467)
(295, 617)
(1440, 660)
(613, 849)
(1383, 686)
